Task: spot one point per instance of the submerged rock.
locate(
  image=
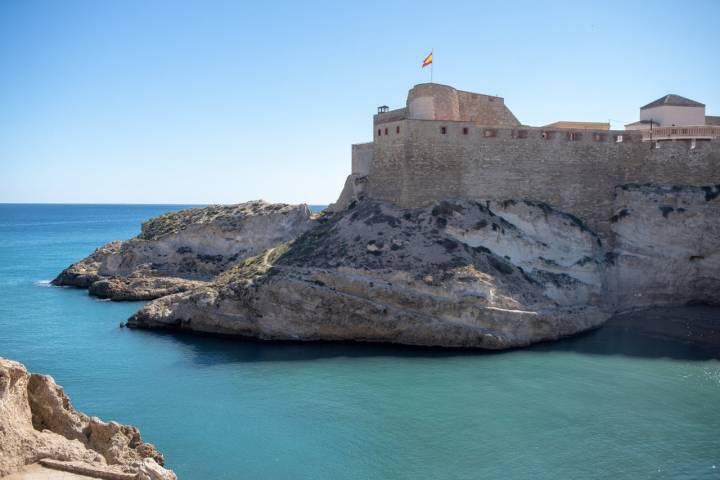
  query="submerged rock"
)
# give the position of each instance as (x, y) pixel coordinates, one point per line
(456, 274)
(182, 250)
(38, 423)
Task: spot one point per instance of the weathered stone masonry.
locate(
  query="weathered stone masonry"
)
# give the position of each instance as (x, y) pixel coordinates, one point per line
(413, 162)
(577, 176)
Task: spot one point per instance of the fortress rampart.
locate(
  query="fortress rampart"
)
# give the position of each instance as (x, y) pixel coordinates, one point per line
(362, 155)
(432, 101)
(413, 161)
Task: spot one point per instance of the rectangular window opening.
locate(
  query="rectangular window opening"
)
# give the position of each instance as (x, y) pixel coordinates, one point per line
(443, 130)
(397, 129)
(465, 130)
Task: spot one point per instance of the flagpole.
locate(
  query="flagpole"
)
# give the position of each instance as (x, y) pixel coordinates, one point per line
(432, 64)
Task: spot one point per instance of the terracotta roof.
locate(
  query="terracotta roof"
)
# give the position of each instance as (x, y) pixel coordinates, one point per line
(673, 100)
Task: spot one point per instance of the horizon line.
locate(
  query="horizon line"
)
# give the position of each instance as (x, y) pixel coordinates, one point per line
(158, 204)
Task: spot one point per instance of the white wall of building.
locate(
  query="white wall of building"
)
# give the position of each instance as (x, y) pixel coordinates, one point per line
(669, 115)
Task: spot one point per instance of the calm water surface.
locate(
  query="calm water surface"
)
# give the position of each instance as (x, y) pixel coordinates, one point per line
(604, 405)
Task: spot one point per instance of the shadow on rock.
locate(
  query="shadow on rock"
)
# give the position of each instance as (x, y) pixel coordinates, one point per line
(215, 349)
(683, 333)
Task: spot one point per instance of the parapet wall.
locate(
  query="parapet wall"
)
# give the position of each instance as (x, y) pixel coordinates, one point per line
(573, 171)
(485, 110)
(433, 101)
(362, 155)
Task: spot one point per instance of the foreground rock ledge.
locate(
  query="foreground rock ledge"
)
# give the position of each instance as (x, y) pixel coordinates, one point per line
(38, 424)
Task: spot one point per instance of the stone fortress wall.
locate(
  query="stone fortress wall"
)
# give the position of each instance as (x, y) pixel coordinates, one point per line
(362, 155)
(452, 153)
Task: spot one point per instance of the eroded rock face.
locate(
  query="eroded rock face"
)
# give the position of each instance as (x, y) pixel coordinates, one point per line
(38, 422)
(457, 274)
(667, 246)
(182, 250)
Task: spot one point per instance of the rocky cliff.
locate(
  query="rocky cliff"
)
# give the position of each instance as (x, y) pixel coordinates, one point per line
(453, 274)
(667, 246)
(456, 274)
(38, 424)
(183, 250)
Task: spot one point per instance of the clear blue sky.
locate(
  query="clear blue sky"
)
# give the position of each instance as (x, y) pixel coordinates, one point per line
(222, 102)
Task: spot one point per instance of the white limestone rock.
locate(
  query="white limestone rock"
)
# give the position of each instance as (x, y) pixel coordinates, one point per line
(38, 423)
(182, 250)
(453, 274)
(438, 276)
(667, 246)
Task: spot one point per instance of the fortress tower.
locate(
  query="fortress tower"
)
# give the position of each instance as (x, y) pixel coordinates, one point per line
(432, 101)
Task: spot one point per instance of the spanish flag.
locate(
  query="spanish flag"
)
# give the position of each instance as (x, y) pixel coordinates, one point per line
(427, 61)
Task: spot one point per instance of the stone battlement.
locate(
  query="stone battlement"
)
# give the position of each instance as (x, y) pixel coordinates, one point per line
(433, 101)
(458, 130)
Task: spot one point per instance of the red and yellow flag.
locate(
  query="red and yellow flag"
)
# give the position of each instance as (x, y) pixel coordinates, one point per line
(427, 61)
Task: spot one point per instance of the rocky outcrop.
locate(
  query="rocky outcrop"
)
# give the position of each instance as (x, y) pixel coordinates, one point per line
(667, 246)
(353, 191)
(182, 250)
(456, 274)
(38, 424)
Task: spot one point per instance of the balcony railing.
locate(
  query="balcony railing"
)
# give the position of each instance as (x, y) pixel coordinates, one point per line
(678, 133)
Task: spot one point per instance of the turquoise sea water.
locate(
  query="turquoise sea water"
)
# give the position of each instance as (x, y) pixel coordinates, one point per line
(601, 406)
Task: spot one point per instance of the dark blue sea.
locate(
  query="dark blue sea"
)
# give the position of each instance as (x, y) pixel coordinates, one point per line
(600, 406)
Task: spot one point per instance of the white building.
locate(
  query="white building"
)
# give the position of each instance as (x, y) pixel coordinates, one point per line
(673, 117)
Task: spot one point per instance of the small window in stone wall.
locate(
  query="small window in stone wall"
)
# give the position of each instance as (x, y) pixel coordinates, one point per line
(443, 130)
(618, 138)
(379, 132)
(397, 129)
(465, 130)
(489, 133)
(386, 130)
(574, 136)
(520, 133)
(546, 135)
(599, 137)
